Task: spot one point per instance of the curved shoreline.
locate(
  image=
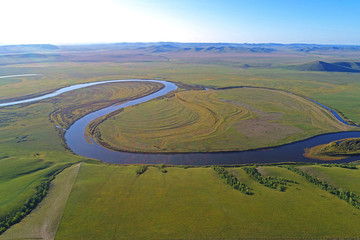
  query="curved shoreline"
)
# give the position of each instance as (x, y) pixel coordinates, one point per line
(21, 75)
(264, 155)
(231, 151)
(315, 154)
(64, 90)
(75, 139)
(338, 115)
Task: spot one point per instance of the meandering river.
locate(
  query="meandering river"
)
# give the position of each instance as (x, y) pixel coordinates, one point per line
(75, 139)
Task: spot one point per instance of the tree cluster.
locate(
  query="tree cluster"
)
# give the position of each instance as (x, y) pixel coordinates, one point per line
(141, 170)
(232, 180)
(271, 182)
(343, 194)
(30, 204)
(41, 190)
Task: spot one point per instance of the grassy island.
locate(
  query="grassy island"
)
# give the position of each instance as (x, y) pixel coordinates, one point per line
(335, 150)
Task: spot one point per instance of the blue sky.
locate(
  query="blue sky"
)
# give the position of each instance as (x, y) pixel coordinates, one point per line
(252, 21)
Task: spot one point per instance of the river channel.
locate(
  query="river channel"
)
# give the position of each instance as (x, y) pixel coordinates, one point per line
(76, 141)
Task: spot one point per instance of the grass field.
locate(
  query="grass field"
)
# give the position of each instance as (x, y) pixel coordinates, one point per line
(182, 203)
(31, 146)
(222, 120)
(19, 177)
(337, 177)
(44, 221)
(338, 90)
(195, 203)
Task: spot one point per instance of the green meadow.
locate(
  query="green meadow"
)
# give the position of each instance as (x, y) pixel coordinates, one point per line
(337, 177)
(44, 221)
(114, 202)
(31, 144)
(92, 200)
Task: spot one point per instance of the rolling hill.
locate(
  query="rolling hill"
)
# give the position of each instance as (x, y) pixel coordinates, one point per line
(329, 67)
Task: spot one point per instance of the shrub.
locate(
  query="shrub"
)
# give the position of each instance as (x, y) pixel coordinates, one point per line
(141, 170)
(343, 194)
(271, 182)
(232, 180)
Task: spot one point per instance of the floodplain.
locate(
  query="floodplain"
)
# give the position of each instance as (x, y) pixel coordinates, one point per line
(211, 111)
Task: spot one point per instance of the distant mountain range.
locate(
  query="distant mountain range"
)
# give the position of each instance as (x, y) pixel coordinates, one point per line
(27, 48)
(161, 47)
(329, 67)
(205, 48)
(163, 51)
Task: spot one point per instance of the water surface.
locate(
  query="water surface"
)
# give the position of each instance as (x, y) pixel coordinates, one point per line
(76, 141)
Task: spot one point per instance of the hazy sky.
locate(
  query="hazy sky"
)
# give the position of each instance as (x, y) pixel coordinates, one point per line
(238, 21)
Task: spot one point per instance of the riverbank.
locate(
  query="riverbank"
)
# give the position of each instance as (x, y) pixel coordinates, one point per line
(335, 150)
(215, 121)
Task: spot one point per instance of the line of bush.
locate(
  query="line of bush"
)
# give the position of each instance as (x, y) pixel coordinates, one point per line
(232, 180)
(141, 170)
(343, 194)
(271, 182)
(341, 165)
(41, 190)
(162, 168)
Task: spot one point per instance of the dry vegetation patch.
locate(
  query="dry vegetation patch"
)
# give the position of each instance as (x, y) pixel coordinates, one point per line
(75, 104)
(222, 120)
(188, 121)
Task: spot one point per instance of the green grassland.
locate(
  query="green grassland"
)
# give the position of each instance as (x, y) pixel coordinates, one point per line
(338, 177)
(182, 203)
(19, 177)
(223, 120)
(44, 220)
(113, 202)
(31, 146)
(30, 149)
(337, 90)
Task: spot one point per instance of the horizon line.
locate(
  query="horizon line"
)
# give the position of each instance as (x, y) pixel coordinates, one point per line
(137, 42)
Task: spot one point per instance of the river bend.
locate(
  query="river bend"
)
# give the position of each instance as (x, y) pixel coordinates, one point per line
(75, 139)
